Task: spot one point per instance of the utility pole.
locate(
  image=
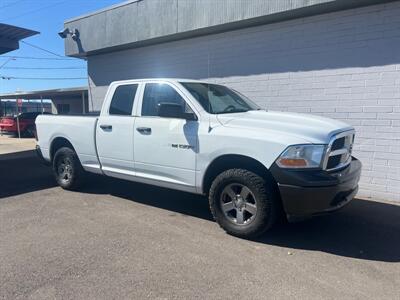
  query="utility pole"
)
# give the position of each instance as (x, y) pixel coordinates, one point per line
(17, 106)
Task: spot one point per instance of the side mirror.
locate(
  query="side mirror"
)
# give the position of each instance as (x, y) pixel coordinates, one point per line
(173, 110)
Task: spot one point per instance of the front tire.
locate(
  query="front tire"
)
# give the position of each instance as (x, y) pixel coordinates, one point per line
(243, 203)
(67, 169)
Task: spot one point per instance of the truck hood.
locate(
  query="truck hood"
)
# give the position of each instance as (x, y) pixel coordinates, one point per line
(312, 129)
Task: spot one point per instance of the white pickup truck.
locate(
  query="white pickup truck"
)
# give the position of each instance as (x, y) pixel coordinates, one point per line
(208, 139)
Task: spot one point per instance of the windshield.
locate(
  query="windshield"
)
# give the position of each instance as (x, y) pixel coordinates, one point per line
(218, 99)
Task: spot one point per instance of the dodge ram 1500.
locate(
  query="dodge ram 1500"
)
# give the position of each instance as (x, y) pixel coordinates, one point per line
(208, 139)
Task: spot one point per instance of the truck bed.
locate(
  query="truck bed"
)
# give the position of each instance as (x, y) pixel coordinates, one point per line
(79, 130)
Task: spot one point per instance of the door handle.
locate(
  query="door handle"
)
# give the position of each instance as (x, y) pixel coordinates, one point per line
(144, 130)
(106, 127)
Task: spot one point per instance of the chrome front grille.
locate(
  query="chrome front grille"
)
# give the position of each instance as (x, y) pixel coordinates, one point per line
(338, 152)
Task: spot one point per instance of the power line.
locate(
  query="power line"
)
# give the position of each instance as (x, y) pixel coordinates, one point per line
(33, 11)
(10, 4)
(5, 77)
(42, 49)
(44, 68)
(40, 58)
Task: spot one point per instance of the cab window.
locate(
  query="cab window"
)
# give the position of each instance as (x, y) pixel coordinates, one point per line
(122, 100)
(157, 93)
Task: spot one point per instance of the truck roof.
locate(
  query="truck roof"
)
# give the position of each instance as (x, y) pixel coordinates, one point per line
(161, 79)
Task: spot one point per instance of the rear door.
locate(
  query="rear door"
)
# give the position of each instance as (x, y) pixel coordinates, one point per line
(114, 132)
(165, 148)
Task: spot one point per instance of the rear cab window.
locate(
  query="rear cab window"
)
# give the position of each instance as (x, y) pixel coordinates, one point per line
(122, 100)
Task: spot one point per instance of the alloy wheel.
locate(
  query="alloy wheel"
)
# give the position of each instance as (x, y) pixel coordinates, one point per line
(238, 204)
(64, 169)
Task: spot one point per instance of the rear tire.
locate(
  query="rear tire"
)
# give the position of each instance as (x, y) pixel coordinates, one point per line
(243, 203)
(67, 169)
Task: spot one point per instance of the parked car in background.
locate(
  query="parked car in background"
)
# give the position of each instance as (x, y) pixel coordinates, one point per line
(9, 124)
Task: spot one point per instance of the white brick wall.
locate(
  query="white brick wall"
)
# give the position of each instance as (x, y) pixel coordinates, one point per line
(343, 65)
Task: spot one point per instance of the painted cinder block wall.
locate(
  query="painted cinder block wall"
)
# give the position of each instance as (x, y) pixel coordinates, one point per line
(343, 65)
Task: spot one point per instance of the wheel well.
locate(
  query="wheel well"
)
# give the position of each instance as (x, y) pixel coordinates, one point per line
(231, 161)
(58, 143)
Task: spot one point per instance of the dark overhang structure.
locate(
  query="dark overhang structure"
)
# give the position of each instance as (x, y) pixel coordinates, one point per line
(11, 35)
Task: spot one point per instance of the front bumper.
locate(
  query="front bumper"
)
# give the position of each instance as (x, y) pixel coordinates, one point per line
(305, 193)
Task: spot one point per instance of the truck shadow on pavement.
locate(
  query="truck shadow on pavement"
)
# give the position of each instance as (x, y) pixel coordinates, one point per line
(22, 172)
(364, 229)
(177, 202)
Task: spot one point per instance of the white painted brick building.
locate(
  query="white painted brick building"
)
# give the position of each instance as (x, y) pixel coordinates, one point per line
(343, 64)
(365, 92)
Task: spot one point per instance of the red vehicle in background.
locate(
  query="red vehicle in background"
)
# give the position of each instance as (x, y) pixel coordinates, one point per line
(26, 122)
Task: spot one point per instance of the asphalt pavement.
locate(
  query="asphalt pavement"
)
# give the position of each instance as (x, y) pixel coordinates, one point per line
(13, 146)
(121, 240)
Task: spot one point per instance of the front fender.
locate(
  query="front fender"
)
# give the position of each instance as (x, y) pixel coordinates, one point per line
(258, 145)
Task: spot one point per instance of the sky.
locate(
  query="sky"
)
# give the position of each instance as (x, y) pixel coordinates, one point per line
(47, 17)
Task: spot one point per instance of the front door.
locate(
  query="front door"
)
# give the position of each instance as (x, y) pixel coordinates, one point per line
(114, 133)
(165, 148)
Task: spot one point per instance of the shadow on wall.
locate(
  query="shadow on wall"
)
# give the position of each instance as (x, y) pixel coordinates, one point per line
(350, 39)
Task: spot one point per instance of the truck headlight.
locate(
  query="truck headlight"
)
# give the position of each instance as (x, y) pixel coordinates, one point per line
(301, 156)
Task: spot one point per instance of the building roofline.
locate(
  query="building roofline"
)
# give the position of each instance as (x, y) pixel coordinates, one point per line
(99, 11)
(44, 93)
(139, 23)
